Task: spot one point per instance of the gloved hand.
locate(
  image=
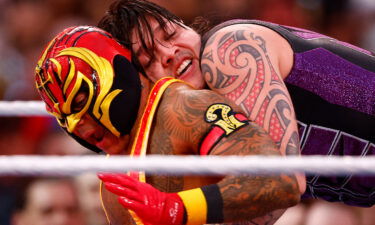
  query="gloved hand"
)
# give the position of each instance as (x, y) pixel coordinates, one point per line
(150, 205)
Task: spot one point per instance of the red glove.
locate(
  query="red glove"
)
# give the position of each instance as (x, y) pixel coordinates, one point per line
(150, 204)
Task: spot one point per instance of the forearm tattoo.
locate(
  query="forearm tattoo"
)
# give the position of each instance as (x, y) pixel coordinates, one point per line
(254, 195)
(237, 65)
(244, 197)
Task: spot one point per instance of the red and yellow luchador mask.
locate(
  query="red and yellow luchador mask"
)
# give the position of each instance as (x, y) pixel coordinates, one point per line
(87, 59)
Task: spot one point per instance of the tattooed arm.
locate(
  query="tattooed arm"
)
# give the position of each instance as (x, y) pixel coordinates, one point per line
(247, 64)
(254, 196)
(244, 197)
(244, 63)
(183, 119)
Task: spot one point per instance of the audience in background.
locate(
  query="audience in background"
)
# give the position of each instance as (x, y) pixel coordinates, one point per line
(26, 25)
(48, 201)
(88, 189)
(59, 143)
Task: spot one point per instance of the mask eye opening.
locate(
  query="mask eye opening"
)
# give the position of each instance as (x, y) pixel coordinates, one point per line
(80, 99)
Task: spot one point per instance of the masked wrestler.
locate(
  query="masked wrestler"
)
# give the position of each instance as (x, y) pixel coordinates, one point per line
(89, 84)
(330, 84)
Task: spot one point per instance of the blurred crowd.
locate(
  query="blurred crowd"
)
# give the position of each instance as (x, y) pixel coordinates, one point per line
(27, 25)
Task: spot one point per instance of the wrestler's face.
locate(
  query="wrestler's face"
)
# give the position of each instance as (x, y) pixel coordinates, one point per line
(94, 133)
(175, 53)
(50, 203)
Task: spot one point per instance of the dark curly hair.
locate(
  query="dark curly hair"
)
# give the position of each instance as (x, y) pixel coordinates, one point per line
(127, 16)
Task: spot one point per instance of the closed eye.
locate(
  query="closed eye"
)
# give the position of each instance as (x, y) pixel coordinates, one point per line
(149, 62)
(169, 36)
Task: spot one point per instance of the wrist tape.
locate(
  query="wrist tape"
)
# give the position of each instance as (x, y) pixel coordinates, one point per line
(203, 205)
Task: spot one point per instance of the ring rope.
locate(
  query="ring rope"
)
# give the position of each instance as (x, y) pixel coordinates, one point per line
(177, 165)
(71, 165)
(22, 108)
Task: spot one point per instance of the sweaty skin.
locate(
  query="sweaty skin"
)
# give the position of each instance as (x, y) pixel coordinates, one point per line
(243, 63)
(236, 63)
(177, 129)
(175, 54)
(69, 78)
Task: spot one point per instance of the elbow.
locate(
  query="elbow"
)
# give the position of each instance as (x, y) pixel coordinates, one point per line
(291, 191)
(294, 199)
(290, 200)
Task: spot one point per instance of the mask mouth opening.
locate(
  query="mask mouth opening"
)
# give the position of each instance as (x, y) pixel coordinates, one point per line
(86, 144)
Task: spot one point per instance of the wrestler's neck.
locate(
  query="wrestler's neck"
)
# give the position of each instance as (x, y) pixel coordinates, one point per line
(147, 86)
(145, 91)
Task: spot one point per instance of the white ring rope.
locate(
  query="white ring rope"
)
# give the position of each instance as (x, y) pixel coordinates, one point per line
(177, 165)
(22, 108)
(71, 165)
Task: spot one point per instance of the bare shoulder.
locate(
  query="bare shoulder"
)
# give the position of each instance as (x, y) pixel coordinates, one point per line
(247, 36)
(180, 118)
(184, 92)
(266, 33)
(200, 100)
(245, 63)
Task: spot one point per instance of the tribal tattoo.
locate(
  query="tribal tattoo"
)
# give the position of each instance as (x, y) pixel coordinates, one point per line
(237, 65)
(164, 146)
(244, 197)
(254, 195)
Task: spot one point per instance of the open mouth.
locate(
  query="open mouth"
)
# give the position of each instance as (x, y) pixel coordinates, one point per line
(183, 67)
